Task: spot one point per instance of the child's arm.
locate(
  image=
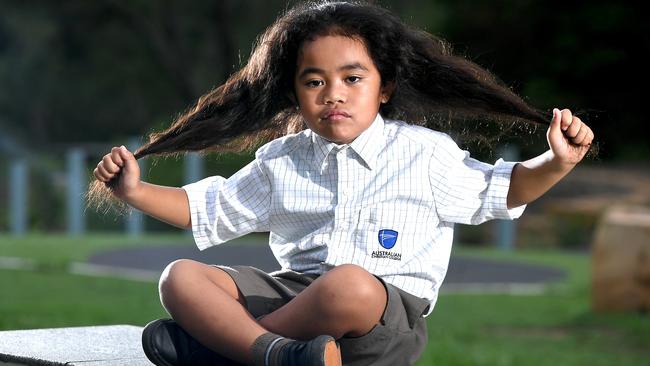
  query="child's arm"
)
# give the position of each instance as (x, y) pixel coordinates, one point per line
(569, 139)
(168, 204)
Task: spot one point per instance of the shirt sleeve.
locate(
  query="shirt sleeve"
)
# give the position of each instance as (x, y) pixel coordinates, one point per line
(467, 191)
(224, 209)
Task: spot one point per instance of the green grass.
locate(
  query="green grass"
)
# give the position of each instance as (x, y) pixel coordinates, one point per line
(59, 250)
(50, 297)
(557, 328)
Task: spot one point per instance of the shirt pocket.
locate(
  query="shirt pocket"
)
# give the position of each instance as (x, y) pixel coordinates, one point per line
(382, 227)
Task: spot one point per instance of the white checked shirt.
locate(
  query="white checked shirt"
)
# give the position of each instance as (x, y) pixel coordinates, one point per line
(326, 204)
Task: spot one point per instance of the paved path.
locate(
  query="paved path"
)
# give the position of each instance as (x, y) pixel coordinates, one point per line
(114, 345)
(463, 272)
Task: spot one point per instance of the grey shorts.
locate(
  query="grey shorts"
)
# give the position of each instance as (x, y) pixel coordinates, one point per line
(399, 338)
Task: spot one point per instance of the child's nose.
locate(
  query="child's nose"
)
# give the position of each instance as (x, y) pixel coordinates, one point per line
(334, 93)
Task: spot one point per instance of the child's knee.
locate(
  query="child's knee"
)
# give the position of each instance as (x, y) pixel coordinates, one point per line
(350, 270)
(356, 278)
(351, 287)
(185, 277)
(176, 274)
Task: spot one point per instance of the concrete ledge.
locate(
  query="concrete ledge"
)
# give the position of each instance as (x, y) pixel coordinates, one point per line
(114, 345)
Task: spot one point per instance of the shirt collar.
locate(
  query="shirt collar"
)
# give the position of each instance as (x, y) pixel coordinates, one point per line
(370, 142)
(367, 145)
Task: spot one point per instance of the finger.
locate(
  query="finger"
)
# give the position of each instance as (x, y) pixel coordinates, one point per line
(126, 156)
(109, 165)
(98, 176)
(567, 117)
(574, 128)
(556, 121)
(580, 137)
(589, 138)
(103, 173)
(117, 158)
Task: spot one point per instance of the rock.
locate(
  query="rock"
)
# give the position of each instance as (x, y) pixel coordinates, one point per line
(88, 346)
(621, 260)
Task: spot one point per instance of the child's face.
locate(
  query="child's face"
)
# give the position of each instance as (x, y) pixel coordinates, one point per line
(338, 87)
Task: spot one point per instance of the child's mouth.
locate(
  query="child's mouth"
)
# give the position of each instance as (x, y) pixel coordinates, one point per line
(335, 115)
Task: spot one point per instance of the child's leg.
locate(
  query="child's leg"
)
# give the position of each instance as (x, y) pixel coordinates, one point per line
(346, 301)
(205, 301)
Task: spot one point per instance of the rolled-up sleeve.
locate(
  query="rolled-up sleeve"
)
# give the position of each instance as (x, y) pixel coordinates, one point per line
(223, 209)
(467, 191)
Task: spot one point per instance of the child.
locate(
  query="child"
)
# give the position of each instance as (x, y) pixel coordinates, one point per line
(360, 206)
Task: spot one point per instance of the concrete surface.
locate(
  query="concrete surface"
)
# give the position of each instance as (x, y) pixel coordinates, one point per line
(114, 345)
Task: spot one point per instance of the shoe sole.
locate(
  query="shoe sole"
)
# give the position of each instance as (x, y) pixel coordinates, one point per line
(147, 345)
(332, 354)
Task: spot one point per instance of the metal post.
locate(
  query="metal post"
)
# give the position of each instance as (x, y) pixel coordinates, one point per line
(506, 230)
(193, 166)
(18, 187)
(193, 170)
(135, 221)
(76, 184)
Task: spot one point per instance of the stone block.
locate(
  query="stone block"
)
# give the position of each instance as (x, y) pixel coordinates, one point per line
(83, 346)
(621, 260)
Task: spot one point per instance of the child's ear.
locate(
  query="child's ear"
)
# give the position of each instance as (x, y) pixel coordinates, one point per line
(387, 91)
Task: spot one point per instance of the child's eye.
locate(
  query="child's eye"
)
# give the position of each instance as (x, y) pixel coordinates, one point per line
(353, 79)
(314, 83)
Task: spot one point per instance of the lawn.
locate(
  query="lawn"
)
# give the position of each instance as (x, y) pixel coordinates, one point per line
(557, 328)
(51, 297)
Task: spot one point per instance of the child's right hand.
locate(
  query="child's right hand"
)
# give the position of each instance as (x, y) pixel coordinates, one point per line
(119, 163)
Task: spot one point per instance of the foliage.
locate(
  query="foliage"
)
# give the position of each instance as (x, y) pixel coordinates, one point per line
(127, 68)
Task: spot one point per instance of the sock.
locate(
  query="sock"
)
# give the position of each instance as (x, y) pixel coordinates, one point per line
(264, 346)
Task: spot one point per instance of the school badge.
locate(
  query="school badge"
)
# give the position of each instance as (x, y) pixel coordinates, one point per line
(387, 239)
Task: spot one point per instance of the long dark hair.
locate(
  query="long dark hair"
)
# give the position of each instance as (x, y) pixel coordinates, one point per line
(257, 102)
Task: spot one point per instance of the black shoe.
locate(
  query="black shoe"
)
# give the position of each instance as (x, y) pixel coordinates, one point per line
(320, 351)
(165, 343)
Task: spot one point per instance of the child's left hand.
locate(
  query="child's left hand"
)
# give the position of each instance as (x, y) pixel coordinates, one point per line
(568, 137)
